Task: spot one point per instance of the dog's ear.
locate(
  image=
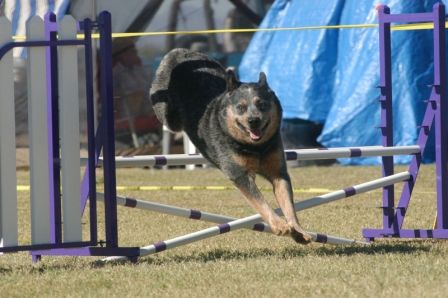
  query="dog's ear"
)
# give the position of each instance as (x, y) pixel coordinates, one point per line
(262, 80)
(232, 82)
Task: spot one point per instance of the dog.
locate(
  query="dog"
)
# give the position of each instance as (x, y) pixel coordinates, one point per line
(234, 125)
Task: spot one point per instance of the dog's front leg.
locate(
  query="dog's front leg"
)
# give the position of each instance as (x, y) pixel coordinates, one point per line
(246, 184)
(273, 168)
(283, 194)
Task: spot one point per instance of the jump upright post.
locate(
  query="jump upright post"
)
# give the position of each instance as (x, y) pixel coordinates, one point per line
(435, 115)
(57, 194)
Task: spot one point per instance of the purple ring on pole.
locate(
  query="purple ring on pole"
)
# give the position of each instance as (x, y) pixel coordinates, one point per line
(130, 203)
(355, 152)
(195, 214)
(349, 191)
(291, 155)
(321, 238)
(160, 246)
(224, 228)
(160, 160)
(258, 227)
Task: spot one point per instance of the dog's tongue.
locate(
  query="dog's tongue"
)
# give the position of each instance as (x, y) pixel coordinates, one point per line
(255, 134)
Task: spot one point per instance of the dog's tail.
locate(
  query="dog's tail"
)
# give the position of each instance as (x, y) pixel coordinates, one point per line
(180, 79)
(164, 106)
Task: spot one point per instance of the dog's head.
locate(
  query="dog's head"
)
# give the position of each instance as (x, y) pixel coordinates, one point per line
(253, 111)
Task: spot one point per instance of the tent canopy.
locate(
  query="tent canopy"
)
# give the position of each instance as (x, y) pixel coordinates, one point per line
(330, 76)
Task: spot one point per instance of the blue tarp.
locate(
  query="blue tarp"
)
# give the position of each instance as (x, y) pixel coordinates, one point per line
(330, 76)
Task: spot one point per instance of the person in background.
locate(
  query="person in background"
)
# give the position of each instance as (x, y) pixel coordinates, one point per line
(131, 89)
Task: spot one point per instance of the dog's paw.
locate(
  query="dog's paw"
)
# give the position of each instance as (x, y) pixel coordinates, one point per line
(300, 237)
(280, 228)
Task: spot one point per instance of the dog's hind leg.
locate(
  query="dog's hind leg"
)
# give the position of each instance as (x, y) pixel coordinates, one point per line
(246, 184)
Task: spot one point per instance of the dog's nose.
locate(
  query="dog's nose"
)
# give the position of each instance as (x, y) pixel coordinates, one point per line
(254, 122)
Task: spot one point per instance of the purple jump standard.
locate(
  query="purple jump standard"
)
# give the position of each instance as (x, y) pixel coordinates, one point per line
(393, 216)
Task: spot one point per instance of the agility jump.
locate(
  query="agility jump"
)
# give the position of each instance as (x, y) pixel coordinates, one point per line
(291, 155)
(48, 238)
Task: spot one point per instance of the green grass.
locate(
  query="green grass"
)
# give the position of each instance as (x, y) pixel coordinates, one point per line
(245, 263)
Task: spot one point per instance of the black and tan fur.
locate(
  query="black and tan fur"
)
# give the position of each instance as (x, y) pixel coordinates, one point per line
(234, 125)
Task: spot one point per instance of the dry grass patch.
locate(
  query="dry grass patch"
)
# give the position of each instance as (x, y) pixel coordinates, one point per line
(245, 263)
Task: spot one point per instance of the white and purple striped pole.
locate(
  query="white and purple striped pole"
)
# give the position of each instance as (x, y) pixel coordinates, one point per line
(302, 154)
(216, 218)
(256, 218)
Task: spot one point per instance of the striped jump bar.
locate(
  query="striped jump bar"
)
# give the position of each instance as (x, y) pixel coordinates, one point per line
(302, 154)
(350, 152)
(249, 221)
(216, 218)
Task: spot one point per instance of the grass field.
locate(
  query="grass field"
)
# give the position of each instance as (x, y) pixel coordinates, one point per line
(244, 263)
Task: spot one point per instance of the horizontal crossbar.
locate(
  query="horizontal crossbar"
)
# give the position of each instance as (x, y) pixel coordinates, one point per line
(408, 17)
(301, 154)
(216, 218)
(250, 221)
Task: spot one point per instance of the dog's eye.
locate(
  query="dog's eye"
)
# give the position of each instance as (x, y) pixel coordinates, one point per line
(241, 109)
(263, 106)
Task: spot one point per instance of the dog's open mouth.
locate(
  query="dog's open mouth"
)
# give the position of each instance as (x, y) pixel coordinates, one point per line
(254, 134)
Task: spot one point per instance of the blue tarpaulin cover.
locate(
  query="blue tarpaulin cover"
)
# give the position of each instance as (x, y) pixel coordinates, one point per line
(331, 76)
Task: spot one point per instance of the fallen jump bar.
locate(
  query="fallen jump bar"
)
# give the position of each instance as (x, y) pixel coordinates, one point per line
(248, 222)
(302, 154)
(216, 218)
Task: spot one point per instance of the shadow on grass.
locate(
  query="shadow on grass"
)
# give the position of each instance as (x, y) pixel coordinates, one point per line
(374, 249)
(214, 255)
(40, 268)
(5, 271)
(218, 255)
